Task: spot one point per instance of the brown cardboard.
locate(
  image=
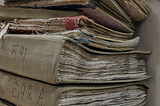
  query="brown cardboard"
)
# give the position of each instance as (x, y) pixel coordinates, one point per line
(59, 26)
(23, 13)
(26, 92)
(115, 6)
(37, 57)
(97, 14)
(31, 56)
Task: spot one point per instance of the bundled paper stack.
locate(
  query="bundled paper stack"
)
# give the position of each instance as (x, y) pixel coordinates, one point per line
(72, 42)
(27, 92)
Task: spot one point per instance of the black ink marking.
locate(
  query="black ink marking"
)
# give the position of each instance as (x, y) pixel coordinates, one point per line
(25, 54)
(23, 89)
(14, 51)
(41, 97)
(21, 52)
(14, 89)
(29, 95)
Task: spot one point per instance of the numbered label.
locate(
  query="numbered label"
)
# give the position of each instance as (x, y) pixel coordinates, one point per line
(19, 50)
(22, 91)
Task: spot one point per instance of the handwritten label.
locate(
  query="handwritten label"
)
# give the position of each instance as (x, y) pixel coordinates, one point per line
(19, 50)
(14, 90)
(29, 94)
(40, 98)
(24, 91)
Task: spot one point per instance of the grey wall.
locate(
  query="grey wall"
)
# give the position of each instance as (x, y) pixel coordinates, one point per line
(149, 31)
(1, 2)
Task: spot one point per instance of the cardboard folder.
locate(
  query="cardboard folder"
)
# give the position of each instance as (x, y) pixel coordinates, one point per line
(135, 9)
(112, 7)
(58, 59)
(67, 27)
(91, 10)
(142, 6)
(24, 13)
(22, 91)
(59, 24)
(98, 41)
(144, 3)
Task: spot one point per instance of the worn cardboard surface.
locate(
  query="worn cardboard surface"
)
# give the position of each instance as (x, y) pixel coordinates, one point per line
(116, 7)
(31, 56)
(25, 92)
(23, 13)
(96, 13)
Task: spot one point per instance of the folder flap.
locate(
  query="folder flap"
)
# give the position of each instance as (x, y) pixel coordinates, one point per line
(31, 55)
(20, 91)
(23, 13)
(135, 12)
(115, 7)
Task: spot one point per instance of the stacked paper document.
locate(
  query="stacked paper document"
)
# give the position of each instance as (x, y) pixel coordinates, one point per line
(58, 59)
(80, 28)
(72, 53)
(115, 14)
(27, 92)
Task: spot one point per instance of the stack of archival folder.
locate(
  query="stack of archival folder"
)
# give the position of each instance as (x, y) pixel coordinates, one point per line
(57, 59)
(26, 92)
(80, 28)
(72, 52)
(110, 13)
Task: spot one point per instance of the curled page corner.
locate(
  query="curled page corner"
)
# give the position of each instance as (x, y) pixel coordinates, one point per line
(4, 31)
